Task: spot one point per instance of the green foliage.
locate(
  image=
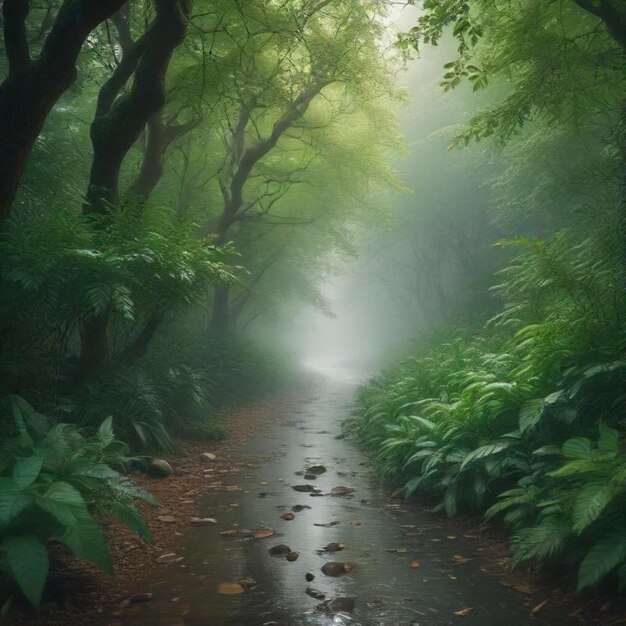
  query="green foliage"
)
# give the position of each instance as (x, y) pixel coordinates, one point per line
(486, 421)
(56, 485)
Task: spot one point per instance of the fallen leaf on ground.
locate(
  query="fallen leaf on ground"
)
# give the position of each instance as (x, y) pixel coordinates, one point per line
(458, 558)
(168, 519)
(539, 606)
(230, 589)
(203, 521)
(414, 564)
(463, 612)
(169, 558)
(264, 533)
(355, 522)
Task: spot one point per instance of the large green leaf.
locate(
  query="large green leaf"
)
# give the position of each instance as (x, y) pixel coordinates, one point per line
(105, 432)
(603, 557)
(577, 448)
(81, 534)
(590, 502)
(9, 492)
(27, 559)
(26, 470)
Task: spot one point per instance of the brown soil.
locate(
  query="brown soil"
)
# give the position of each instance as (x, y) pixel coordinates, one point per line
(78, 594)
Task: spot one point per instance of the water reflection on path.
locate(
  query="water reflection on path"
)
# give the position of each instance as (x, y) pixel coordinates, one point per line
(381, 538)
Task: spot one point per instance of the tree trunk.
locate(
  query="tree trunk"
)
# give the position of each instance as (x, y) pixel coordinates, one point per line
(219, 325)
(117, 126)
(159, 139)
(94, 353)
(137, 349)
(33, 87)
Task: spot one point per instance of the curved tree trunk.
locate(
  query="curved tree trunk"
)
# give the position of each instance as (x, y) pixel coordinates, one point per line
(116, 127)
(33, 87)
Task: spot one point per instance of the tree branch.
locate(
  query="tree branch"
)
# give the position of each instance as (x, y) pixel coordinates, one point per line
(14, 14)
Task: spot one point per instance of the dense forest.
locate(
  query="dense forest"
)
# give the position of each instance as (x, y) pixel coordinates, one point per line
(188, 187)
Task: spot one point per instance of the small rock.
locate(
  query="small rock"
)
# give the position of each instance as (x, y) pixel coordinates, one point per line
(336, 568)
(309, 577)
(140, 597)
(288, 516)
(333, 547)
(315, 593)
(293, 556)
(158, 468)
(328, 525)
(279, 550)
(203, 521)
(309, 477)
(303, 488)
(247, 583)
(296, 508)
(316, 469)
(338, 492)
(341, 605)
(208, 456)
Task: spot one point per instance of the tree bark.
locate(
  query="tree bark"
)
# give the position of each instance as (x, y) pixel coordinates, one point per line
(219, 325)
(32, 87)
(159, 138)
(116, 127)
(119, 123)
(137, 349)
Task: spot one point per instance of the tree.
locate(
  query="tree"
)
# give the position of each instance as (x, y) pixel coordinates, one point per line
(33, 85)
(573, 67)
(273, 70)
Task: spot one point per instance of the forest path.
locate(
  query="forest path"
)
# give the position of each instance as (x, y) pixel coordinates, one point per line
(383, 537)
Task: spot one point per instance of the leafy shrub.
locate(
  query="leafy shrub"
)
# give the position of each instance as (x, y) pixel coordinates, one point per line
(475, 415)
(56, 484)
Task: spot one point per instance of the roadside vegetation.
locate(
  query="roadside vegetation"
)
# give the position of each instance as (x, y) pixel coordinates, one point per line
(512, 401)
(172, 173)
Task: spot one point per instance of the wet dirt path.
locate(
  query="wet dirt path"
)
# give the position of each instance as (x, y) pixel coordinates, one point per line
(382, 537)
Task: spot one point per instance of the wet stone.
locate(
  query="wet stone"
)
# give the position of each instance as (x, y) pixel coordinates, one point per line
(158, 468)
(296, 508)
(337, 605)
(316, 469)
(303, 488)
(309, 577)
(310, 477)
(336, 568)
(293, 556)
(315, 593)
(280, 550)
